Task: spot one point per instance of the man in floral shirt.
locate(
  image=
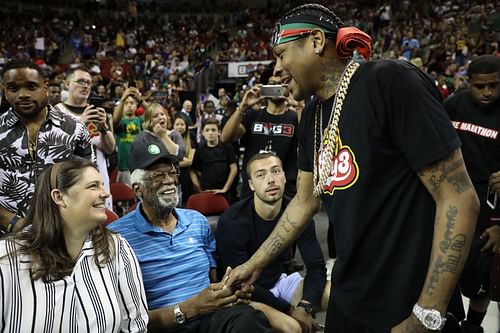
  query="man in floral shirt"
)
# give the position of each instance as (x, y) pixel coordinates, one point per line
(33, 136)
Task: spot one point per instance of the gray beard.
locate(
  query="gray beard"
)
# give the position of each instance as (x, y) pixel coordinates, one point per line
(161, 208)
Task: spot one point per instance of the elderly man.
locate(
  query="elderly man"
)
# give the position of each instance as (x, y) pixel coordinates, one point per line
(175, 251)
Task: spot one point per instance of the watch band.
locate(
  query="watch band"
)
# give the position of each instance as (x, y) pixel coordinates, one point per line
(308, 307)
(430, 318)
(180, 317)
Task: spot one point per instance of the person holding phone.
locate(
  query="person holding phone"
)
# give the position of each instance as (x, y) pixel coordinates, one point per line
(272, 128)
(475, 114)
(99, 123)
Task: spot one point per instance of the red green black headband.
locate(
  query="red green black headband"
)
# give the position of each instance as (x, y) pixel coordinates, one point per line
(347, 39)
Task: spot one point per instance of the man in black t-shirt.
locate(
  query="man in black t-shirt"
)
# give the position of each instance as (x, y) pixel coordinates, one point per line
(246, 224)
(475, 114)
(273, 128)
(376, 147)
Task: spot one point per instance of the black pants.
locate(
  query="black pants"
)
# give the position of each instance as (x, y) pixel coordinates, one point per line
(237, 319)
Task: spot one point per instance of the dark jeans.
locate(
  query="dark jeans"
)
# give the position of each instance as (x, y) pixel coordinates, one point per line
(236, 319)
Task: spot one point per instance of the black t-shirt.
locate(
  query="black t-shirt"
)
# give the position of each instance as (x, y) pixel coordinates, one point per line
(279, 133)
(392, 125)
(478, 129)
(240, 232)
(213, 164)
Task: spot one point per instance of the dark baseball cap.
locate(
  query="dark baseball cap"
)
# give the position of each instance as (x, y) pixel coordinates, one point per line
(148, 150)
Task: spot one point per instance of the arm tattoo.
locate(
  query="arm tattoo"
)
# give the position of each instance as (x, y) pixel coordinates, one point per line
(460, 181)
(449, 171)
(452, 247)
(275, 245)
(288, 224)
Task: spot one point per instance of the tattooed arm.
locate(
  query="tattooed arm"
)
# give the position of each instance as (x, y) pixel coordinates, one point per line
(457, 207)
(291, 224)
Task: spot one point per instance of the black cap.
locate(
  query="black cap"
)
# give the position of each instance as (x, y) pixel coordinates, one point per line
(148, 150)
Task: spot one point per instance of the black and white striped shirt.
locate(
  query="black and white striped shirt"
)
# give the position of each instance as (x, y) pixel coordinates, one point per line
(92, 299)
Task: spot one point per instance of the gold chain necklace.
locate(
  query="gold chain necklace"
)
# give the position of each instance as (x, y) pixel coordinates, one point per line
(325, 143)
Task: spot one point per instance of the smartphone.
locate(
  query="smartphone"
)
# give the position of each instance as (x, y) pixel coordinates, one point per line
(491, 199)
(272, 90)
(96, 101)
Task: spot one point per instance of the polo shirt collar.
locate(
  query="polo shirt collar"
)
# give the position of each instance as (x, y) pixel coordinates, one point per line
(143, 225)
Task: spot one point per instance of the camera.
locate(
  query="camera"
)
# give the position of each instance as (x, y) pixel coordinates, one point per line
(272, 91)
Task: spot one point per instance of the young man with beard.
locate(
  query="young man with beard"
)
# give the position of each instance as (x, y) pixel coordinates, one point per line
(272, 128)
(33, 136)
(175, 249)
(245, 225)
(475, 114)
(377, 148)
(98, 122)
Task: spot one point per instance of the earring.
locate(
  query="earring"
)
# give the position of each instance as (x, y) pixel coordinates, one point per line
(317, 50)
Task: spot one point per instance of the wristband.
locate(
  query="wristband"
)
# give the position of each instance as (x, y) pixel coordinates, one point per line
(12, 223)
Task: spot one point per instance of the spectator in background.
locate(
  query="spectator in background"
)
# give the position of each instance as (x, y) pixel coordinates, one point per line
(208, 112)
(33, 136)
(181, 126)
(54, 93)
(127, 126)
(156, 124)
(98, 122)
(272, 129)
(214, 164)
(475, 114)
(64, 258)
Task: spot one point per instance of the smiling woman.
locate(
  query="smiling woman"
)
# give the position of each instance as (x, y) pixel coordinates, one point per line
(64, 258)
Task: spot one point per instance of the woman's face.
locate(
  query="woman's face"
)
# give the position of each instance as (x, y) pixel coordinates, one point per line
(180, 126)
(159, 117)
(86, 199)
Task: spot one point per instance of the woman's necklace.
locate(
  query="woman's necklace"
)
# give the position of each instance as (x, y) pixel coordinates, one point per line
(325, 143)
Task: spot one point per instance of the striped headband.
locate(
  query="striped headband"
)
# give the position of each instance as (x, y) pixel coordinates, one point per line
(347, 39)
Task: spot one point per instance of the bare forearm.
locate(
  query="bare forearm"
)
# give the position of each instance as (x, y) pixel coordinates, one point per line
(108, 142)
(171, 146)
(453, 232)
(291, 224)
(163, 319)
(230, 130)
(230, 177)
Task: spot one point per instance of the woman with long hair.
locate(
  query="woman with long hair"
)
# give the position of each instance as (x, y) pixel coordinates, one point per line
(181, 126)
(65, 272)
(156, 125)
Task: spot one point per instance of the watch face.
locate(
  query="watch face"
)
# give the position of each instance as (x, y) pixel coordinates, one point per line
(432, 321)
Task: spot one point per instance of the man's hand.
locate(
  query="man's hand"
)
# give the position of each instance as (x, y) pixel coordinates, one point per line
(91, 114)
(492, 237)
(305, 320)
(251, 98)
(410, 325)
(495, 182)
(242, 276)
(215, 297)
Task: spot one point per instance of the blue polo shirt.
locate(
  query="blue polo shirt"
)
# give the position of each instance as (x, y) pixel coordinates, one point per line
(174, 266)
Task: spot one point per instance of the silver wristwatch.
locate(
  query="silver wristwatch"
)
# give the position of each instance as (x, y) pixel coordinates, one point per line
(430, 318)
(180, 317)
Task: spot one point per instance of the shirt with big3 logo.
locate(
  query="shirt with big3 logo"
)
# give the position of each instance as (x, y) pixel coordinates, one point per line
(392, 124)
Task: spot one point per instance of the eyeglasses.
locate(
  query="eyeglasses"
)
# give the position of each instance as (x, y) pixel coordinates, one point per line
(161, 175)
(82, 82)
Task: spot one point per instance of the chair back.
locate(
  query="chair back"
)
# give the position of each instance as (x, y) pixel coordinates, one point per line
(207, 203)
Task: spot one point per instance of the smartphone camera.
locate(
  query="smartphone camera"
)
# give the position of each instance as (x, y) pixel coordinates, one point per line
(272, 91)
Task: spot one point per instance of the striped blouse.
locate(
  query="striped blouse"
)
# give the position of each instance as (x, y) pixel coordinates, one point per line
(92, 299)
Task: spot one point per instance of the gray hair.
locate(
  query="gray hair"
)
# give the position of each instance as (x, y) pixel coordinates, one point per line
(137, 176)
